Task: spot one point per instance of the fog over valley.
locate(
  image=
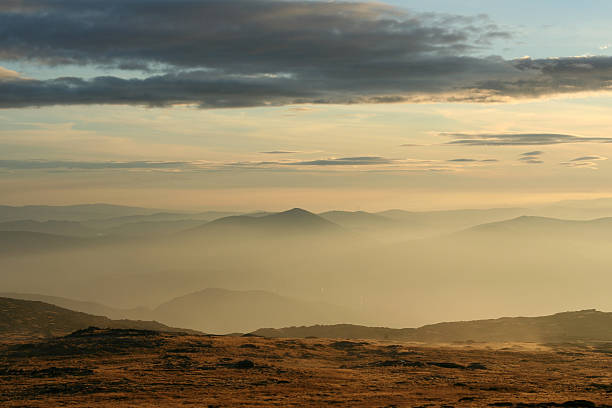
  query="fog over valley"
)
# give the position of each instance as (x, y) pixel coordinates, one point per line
(223, 273)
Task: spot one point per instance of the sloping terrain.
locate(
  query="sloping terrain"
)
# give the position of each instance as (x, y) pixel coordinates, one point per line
(26, 319)
(585, 326)
(91, 308)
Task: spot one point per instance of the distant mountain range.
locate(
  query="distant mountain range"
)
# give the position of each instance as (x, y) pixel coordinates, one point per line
(531, 226)
(24, 318)
(99, 220)
(586, 325)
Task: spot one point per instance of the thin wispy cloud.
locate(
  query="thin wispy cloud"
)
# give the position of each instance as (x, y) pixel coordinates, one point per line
(519, 139)
(467, 160)
(533, 157)
(532, 153)
(280, 152)
(589, 162)
(88, 165)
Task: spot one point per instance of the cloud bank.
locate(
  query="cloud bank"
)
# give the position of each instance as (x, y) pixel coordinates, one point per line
(241, 53)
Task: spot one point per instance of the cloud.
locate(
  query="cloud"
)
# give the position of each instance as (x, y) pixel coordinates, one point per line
(589, 162)
(464, 160)
(218, 53)
(345, 161)
(7, 74)
(82, 165)
(532, 157)
(532, 153)
(280, 152)
(362, 163)
(243, 53)
(530, 160)
(588, 158)
(520, 139)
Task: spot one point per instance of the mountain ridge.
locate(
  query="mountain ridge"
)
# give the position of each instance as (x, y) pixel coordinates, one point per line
(578, 326)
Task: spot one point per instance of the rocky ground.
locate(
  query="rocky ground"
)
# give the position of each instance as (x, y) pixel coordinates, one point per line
(121, 368)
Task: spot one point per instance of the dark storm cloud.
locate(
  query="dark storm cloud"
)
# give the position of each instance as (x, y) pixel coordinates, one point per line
(239, 53)
(43, 164)
(520, 139)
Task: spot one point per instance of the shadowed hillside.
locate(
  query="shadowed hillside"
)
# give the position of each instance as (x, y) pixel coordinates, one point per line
(586, 325)
(92, 308)
(24, 318)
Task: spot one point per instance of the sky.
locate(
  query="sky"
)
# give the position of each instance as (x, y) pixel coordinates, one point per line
(256, 104)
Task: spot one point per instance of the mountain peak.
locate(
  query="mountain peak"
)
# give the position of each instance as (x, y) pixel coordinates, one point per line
(295, 211)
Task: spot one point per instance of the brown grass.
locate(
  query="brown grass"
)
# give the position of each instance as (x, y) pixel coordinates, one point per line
(152, 369)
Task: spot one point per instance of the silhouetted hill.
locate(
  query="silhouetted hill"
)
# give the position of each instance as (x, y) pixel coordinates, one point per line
(201, 217)
(294, 221)
(24, 318)
(68, 228)
(533, 227)
(586, 325)
(226, 311)
(92, 308)
(81, 212)
(451, 220)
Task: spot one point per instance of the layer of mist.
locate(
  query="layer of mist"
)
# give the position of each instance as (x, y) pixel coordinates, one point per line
(393, 268)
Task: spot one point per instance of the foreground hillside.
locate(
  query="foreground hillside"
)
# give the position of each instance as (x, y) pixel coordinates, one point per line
(26, 319)
(586, 325)
(121, 368)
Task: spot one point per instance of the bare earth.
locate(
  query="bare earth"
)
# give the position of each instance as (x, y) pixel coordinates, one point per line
(121, 368)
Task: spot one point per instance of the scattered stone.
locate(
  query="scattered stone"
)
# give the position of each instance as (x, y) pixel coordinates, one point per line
(243, 364)
(249, 345)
